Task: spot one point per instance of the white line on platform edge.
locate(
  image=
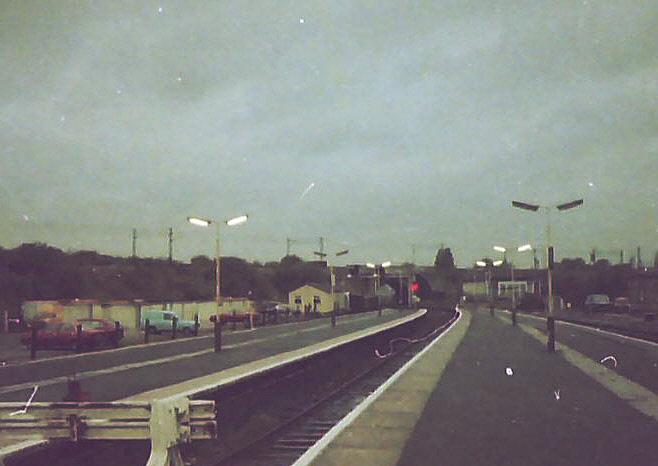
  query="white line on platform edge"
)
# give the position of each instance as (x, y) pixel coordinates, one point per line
(312, 453)
(289, 358)
(585, 327)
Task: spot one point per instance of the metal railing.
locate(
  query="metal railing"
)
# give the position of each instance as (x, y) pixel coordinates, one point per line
(167, 423)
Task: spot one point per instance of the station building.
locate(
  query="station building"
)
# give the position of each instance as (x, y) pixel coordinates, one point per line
(317, 298)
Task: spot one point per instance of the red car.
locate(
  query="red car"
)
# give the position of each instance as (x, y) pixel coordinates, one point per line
(96, 333)
(238, 318)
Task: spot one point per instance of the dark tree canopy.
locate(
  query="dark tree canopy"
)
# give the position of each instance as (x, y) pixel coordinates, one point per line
(444, 259)
(38, 271)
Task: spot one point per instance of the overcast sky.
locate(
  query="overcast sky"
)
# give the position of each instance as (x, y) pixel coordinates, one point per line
(376, 124)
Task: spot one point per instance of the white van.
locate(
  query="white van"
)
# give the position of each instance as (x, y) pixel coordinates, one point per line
(161, 321)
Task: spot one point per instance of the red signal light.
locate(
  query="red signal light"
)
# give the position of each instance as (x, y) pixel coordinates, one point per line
(415, 287)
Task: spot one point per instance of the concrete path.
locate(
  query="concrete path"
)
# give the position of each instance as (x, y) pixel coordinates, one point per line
(503, 400)
(488, 393)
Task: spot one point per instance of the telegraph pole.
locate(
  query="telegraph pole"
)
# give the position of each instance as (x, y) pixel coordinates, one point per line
(134, 255)
(171, 244)
(321, 247)
(288, 241)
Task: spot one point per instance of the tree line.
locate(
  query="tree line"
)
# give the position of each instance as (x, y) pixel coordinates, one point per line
(574, 279)
(37, 271)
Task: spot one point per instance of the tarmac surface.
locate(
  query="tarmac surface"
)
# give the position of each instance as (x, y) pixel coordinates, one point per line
(116, 374)
(503, 400)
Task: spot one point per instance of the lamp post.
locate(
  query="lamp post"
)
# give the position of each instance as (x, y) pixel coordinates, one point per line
(332, 278)
(550, 319)
(321, 254)
(489, 280)
(524, 248)
(383, 265)
(204, 222)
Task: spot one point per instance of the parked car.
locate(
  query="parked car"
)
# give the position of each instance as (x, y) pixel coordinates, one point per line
(282, 308)
(56, 334)
(16, 324)
(161, 321)
(238, 317)
(597, 302)
(622, 304)
(42, 318)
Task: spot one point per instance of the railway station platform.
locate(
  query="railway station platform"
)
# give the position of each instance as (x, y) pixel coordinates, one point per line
(185, 367)
(118, 374)
(488, 393)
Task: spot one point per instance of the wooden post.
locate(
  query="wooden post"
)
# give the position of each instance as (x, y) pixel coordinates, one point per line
(550, 344)
(196, 325)
(117, 333)
(33, 342)
(218, 335)
(174, 327)
(78, 338)
(147, 330)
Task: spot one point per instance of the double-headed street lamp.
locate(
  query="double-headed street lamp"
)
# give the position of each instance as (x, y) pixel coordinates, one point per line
(550, 319)
(332, 278)
(375, 276)
(489, 279)
(383, 265)
(205, 222)
(524, 248)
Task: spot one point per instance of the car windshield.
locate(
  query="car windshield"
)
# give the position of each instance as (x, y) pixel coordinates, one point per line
(91, 324)
(66, 328)
(599, 299)
(52, 326)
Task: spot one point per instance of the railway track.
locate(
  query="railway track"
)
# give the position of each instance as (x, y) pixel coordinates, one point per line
(288, 441)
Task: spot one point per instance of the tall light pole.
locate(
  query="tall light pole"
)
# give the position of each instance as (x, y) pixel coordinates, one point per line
(383, 265)
(332, 277)
(524, 248)
(489, 280)
(550, 318)
(205, 222)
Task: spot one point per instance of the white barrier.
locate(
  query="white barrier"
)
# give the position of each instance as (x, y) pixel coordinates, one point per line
(167, 423)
